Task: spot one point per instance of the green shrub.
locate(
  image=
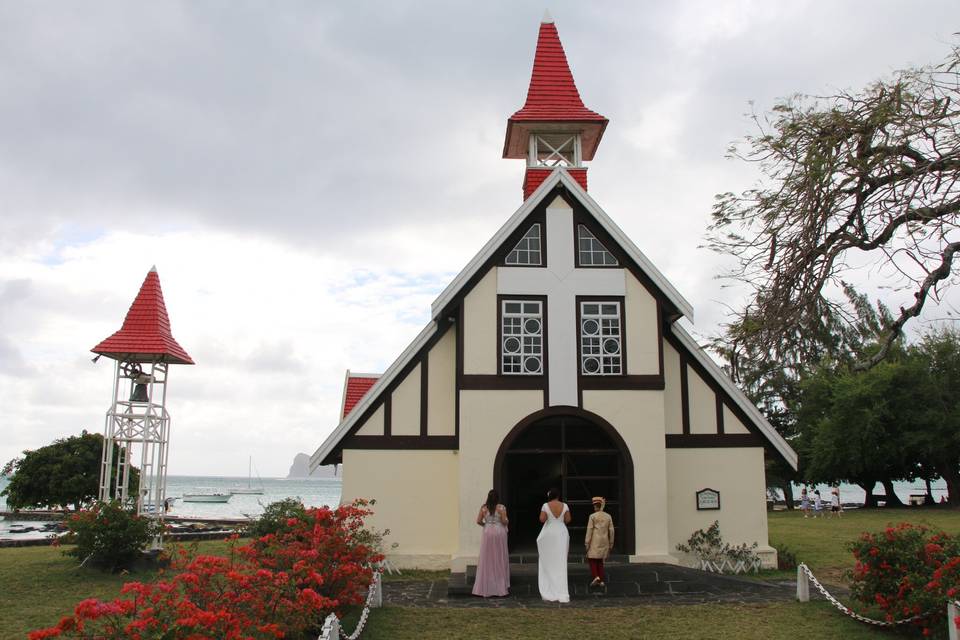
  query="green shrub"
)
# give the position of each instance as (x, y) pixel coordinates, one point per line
(277, 517)
(786, 558)
(714, 554)
(906, 570)
(110, 536)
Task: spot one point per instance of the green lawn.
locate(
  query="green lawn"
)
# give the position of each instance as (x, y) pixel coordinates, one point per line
(714, 622)
(38, 585)
(822, 542)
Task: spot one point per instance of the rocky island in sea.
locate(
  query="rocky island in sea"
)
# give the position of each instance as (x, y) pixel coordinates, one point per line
(301, 469)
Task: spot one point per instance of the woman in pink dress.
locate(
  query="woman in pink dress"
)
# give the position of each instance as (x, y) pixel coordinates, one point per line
(493, 568)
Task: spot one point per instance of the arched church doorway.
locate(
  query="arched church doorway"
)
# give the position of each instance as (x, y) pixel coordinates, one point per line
(580, 454)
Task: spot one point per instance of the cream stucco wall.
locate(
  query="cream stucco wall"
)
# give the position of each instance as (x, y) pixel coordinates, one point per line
(480, 327)
(486, 417)
(405, 406)
(374, 424)
(418, 499)
(638, 417)
(732, 424)
(643, 349)
(703, 404)
(738, 474)
(672, 408)
(442, 386)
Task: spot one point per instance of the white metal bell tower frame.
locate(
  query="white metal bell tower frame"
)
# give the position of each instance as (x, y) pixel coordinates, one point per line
(137, 422)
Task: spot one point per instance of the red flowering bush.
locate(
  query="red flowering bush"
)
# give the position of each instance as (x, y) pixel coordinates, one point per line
(905, 571)
(279, 586)
(109, 535)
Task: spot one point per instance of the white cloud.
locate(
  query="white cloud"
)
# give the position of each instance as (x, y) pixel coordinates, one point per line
(307, 177)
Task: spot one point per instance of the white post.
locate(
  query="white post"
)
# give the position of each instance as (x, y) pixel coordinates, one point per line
(803, 585)
(952, 612)
(377, 600)
(331, 628)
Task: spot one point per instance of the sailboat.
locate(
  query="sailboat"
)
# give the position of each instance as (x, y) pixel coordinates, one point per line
(249, 489)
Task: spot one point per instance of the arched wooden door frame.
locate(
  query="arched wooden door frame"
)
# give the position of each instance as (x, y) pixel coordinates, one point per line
(624, 528)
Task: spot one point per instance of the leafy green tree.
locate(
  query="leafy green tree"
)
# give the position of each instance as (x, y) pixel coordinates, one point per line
(861, 426)
(866, 180)
(62, 474)
(937, 404)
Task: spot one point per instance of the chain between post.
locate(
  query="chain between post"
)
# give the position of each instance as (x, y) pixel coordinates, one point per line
(371, 594)
(856, 616)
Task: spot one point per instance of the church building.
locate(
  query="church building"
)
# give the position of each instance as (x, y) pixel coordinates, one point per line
(554, 359)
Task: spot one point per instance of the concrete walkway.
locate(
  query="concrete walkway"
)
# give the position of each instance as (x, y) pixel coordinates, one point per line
(627, 585)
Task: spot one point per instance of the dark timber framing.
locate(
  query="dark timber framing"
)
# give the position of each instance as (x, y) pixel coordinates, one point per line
(721, 438)
(389, 441)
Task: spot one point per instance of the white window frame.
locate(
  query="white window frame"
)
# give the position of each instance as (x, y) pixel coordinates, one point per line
(595, 346)
(597, 248)
(531, 343)
(525, 241)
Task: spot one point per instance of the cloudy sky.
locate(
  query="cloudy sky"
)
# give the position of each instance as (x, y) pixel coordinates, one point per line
(307, 177)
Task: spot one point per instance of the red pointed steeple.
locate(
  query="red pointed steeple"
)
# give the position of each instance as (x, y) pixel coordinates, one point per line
(553, 94)
(145, 335)
(553, 109)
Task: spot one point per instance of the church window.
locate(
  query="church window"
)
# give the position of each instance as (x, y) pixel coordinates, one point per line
(591, 251)
(527, 252)
(521, 345)
(601, 343)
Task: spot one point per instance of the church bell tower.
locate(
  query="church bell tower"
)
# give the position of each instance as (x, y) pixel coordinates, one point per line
(554, 128)
(138, 422)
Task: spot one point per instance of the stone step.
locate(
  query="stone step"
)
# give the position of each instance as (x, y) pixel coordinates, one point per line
(624, 580)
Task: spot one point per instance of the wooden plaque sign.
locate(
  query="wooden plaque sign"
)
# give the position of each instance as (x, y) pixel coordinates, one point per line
(708, 500)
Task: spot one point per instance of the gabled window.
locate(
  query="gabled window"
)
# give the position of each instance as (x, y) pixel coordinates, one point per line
(591, 251)
(601, 339)
(521, 337)
(527, 252)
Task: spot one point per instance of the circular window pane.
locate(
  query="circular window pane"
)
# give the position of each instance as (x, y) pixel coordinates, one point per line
(590, 327)
(531, 365)
(611, 346)
(591, 365)
(511, 345)
(532, 325)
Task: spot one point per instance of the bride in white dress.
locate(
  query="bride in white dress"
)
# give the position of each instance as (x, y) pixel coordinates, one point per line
(553, 543)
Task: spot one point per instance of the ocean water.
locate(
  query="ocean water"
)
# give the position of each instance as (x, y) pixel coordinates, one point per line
(312, 492)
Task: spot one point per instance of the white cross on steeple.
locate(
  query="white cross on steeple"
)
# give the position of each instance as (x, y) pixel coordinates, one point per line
(561, 282)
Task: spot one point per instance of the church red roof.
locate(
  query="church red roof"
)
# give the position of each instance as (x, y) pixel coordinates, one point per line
(553, 94)
(356, 387)
(145, 335)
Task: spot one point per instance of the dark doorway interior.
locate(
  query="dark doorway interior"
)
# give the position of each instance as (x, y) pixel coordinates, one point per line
(579, 458)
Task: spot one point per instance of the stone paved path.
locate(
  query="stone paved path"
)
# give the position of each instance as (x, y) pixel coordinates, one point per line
(627, 585)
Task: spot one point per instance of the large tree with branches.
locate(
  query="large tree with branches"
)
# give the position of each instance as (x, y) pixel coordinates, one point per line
(862, 180)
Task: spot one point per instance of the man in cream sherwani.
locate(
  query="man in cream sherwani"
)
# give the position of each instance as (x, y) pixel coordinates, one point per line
(599, 540)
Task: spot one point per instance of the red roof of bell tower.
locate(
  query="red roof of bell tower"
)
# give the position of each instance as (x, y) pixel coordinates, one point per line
(553, 94)
(145, 335)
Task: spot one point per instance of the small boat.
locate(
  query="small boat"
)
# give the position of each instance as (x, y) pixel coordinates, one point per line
(207, 496)
(249, 489)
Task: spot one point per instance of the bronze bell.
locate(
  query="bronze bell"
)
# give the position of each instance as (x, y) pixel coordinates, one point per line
(139, 393)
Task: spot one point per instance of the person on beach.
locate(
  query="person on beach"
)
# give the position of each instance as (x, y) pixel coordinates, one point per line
(836, 509)
(817, 504)
(493, 567)
(599, 540)
(804, 502)
(553, 546)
